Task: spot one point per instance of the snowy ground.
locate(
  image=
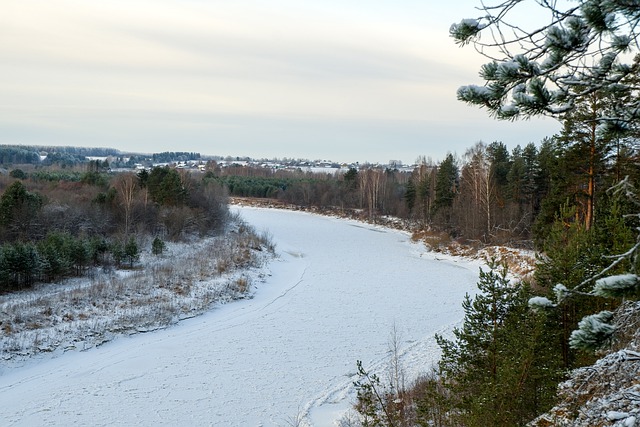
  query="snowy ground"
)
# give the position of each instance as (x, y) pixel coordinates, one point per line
(333, 297)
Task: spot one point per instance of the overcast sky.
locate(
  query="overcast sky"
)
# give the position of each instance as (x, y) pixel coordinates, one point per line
(344, 80)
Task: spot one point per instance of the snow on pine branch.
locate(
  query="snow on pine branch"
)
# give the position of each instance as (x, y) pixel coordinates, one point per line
(545, 68)
(593, 332)
(617, 286)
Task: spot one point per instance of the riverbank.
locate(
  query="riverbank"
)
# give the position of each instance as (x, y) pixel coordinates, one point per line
(520, 262)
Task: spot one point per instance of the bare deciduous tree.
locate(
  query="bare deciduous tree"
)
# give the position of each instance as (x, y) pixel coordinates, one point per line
(126, 184)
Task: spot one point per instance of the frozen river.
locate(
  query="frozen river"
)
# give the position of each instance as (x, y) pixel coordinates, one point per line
(332, 298)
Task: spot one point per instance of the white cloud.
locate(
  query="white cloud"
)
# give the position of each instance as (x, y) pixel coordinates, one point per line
(66, 64)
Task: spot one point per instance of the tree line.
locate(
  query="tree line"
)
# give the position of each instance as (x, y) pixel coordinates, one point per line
(489, 195)
(374, 191)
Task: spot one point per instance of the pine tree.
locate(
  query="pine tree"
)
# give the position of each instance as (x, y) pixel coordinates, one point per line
(532, 172)
(131, 251)
(116, 249)
(21, 265)
(469, 363)
(500, 161)
(498, 369)
(585, 52)
(593, 331)
(53, 250)
(157, 246)
(585, 149)
(410, 195)
(446, 180)
(550, 69)
(18, 209)
(516, 177)
(445, 188)
(552, 188)
(165, 187)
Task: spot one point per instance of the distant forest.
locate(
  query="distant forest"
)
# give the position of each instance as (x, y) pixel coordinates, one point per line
(67, 157)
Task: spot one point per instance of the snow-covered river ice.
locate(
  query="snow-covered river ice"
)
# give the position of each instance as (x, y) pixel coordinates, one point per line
(331, 298)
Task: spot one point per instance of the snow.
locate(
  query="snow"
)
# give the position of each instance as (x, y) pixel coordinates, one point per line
(475, 90)
(614, 284)
(467, 23)
(615, 280)
(615, 415)
(561, 292)
(540, 302)
(289, 353)
(594, 395)
(592, 331)
(508, 67)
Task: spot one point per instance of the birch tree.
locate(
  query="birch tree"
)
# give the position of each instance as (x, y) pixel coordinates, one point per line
(126, 185)
(477, 181)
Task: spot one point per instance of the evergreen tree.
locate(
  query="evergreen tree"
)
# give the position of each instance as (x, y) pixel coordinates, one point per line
(18, 209)
(53, 250)
(143, 177)
(131, 251)
(573, 255)
(445, 188)
(585, 149)
(18, 174)
(593, 332)
(157, 246)
(165, 187)
(21, 265)
(532, 172)
(351, 177)
(585, 51)
(498, 369)
(551, 68)
(552, 188)
(79, 254)
(98, 249)
(500, 161)
(116, 249)
(410, 195)
(516, 177)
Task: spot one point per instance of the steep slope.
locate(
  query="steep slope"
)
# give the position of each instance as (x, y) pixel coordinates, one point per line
(608, 392)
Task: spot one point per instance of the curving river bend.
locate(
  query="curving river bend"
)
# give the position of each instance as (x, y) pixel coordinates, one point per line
(333, 297)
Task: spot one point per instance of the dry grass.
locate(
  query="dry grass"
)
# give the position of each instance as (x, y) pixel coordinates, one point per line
(189, 279)
(241, 285)
(432, 239)
(519, 262)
